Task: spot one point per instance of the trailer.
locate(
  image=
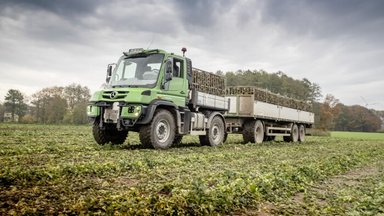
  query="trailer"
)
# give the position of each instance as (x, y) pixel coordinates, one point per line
(261, 120)
(162, 97)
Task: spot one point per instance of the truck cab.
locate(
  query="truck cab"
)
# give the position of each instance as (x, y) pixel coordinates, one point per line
(149, 91)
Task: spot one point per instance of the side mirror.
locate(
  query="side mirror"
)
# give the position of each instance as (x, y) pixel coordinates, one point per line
(109, 72)
(168, 71)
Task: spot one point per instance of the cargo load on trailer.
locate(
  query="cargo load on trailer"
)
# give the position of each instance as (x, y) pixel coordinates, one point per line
(207, 82)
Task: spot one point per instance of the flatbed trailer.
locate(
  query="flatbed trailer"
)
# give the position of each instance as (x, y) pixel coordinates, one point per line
(247, 113)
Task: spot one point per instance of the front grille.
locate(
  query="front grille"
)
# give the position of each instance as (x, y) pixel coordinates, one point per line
(115, 95)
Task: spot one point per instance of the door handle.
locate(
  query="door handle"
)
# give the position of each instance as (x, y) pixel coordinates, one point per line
(182, 92)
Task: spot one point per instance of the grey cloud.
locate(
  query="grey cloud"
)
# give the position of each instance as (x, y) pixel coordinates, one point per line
(327, 18)
(201, 13)
(67, 8)
(44, 22)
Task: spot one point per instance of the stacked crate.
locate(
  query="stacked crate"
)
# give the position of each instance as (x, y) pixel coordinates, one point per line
(268, 97)
(207, 82)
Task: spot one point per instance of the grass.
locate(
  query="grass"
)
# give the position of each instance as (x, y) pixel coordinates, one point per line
(358, 135)
(60, 169)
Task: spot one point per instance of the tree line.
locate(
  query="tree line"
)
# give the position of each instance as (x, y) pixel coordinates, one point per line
(334, 115)
(51, 105)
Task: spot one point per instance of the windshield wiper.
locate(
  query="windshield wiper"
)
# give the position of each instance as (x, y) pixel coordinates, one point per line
(129, 86)
(119, 86)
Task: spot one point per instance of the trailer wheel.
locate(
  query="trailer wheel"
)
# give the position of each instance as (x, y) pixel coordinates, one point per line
(269, 138)
(259, 132)
(301, 133)
(295, 133)
(253, 132)
(247, 132)
(294, 136)
(215, 134)
(287, 138)
(160, 133)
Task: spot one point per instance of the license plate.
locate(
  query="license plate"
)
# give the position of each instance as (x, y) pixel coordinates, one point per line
(112, 114)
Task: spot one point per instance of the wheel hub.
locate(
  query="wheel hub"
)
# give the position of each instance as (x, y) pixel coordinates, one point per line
(215, 133)
(162, 131)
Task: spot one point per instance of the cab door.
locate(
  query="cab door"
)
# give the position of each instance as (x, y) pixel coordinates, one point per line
(178, 86)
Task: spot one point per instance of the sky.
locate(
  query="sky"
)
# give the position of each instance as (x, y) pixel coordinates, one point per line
(338, 44)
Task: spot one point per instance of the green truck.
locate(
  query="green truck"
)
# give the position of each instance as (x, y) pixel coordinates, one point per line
(162, 97)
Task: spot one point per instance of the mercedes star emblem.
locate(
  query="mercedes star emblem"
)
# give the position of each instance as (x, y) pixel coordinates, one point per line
(113, 94)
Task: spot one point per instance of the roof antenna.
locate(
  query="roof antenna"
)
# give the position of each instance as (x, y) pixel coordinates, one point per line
(183, 50)
(153, 38)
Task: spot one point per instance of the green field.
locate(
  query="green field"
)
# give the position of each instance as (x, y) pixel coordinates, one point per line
(358, 135)
(60, 169)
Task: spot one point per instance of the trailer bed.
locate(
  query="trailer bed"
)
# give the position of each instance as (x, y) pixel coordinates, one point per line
(246, 106)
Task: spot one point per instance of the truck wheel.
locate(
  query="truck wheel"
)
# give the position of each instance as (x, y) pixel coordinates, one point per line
(301, 133)
(160, 133)
(225, 137)
(253, 132)
(118, 137)
(177, 140)
(101, 136)
(215, 134)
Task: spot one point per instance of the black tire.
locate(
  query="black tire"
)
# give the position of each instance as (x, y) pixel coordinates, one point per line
(108, 134)
(100, 136)
(118, 137)
(301, 133)
(215, 134)
(225, 137)
(269, 138)
(144, 135)
(177, 140)
(204, 140)
(253, 132)
(287, 139)
(248, 132)
(160, 133)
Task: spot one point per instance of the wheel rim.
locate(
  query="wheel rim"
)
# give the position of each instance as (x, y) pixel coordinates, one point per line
(162, 131)
(216, 133)
(301, 133)
(259, 134)
(295, 134)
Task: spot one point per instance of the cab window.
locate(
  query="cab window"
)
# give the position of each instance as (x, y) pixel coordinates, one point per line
(178, 68)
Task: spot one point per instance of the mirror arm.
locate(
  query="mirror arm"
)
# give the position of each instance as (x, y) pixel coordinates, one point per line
(109, 72)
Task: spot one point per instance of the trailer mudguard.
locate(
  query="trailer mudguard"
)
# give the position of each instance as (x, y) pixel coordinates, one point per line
(150, 110)
(212, 115)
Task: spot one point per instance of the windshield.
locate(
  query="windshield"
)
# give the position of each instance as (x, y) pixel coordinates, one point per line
(137, 71)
